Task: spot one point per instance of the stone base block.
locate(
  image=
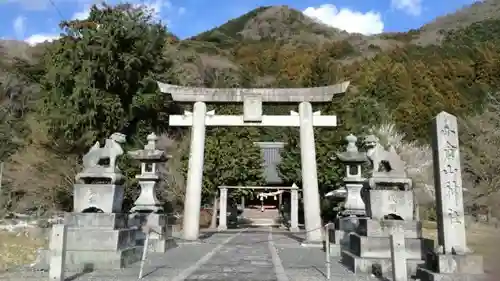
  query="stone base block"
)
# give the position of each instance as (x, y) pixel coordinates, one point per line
(156, 219)
(96, 220)
(263, 222)
(455, 264)
(344, 226)
(161, 245)
(378, 266)
(348, 224)
(88, 239)
(335, 250)
(312, 244)
(427, 275)
(341, 237)
(380, 247)
(79, 260)
(106, 197)
(384, 228)
(384, 202)
(158, 223)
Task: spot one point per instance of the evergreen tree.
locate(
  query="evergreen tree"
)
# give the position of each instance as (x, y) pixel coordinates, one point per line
(100, 76)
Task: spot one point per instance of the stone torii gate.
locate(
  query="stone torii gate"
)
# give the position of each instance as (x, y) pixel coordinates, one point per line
(252, 116)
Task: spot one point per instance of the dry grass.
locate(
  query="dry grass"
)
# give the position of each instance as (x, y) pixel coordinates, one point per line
(482, 239)
(42, 176)
(18, 249)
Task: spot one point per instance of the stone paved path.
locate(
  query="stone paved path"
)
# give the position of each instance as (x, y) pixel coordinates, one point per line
(246, 255)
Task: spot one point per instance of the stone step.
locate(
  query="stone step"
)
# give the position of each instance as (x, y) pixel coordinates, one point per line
(380, 247)
(263, 222)
(156, 233)
(96, 220)
(85, 239)
(427, 275)
(376, 266)
(78, 260)
(161, 245)
(384, 228)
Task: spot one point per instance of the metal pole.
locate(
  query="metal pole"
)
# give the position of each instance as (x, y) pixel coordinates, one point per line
(144, 254)
(327, 251)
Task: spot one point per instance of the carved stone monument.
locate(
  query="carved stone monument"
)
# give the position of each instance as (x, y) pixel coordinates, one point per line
(96, 224)
(147, 210)
(453, 260)
(389, 210)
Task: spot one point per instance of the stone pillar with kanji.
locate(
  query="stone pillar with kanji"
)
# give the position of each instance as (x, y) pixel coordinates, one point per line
(452, 260)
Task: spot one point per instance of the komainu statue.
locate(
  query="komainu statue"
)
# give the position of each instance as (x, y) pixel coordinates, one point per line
(388, 167)
(382, 160)
(100, 162)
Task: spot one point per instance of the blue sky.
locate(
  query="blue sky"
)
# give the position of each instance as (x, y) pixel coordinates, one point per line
(37, 20)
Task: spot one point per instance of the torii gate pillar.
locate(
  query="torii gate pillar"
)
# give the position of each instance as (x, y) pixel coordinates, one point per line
(192, 200)
(252, 99)
(310, 191)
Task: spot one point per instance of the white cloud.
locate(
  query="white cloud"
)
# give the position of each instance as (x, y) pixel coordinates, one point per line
(156, 6)
(411, 7)
(40, 38)
(351, 21)
(181, 11)
(19, 25)
(84, 14)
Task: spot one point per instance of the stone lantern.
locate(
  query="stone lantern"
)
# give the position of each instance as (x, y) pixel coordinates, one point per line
(353, 181)
(147, 210)
(150, 157)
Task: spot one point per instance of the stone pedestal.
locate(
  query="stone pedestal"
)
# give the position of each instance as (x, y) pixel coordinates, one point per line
(354, 204)
(369, 249)
(107, 234)
(449, 267)
(382, 203)
(147, 201)
(339, 234)
(343, 227)
(105, 197)
(160, 231)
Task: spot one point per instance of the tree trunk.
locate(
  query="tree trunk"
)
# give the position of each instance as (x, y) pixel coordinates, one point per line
(213, 222)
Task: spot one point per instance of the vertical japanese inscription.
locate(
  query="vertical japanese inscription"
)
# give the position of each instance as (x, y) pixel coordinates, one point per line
(91, 196)
(393, 203)
(448, 183)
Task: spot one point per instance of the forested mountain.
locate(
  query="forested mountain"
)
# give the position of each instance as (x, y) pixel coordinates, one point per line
(58, 98)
